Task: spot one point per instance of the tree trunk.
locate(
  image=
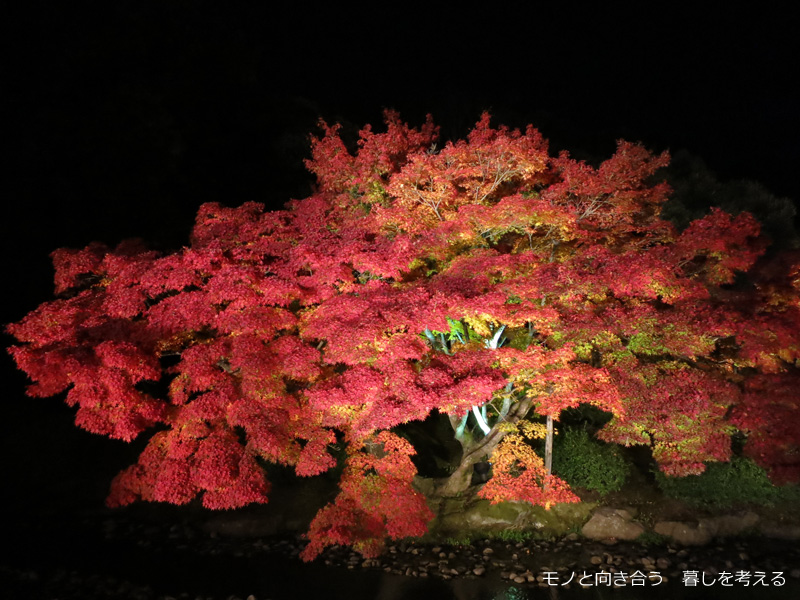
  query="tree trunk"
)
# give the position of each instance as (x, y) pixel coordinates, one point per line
(548, 447)
(473, 452)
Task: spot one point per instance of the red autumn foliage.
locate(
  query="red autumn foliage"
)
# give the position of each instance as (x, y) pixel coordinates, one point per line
(486, 280)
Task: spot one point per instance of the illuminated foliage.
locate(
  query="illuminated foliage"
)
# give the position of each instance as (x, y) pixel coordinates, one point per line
(376, 500)
(485, 280)
(519, 473)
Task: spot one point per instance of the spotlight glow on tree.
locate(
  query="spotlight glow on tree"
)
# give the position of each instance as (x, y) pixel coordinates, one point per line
(486, 280)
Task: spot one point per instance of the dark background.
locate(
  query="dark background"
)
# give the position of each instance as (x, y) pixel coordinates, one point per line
(123, 117)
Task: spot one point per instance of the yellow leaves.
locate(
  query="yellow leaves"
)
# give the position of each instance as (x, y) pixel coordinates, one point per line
(789, 355)
(583, 351)
(597, 298)
(536, 390)
(506, 427)
(532, 431)
(481, 324)
(522, 430)
(514, 455)
(346, 413)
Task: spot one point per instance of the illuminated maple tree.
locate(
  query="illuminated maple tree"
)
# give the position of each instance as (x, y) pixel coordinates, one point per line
(486, 280)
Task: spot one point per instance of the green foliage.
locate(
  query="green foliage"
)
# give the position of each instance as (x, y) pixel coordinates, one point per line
(585, 416)
(696, 189)
(443, 340)
(588, 463)
(644, 343)
(651, 538)
(458, 542)
(722, 485)
(512, 535)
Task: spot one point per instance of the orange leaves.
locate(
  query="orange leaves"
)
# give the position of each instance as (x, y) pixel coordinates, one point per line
(432, 187)
(519, 475)
(566, 387)
(520, 213)
(530, 363)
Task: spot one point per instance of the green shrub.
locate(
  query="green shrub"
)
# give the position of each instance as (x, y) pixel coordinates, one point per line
(722, 485)
(584, 415)
(651, 538)
(512, 535)
(458, 542)
(585, 462)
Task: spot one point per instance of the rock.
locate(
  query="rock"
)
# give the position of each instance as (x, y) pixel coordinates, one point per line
(609, 541)
(701, 533)
(243, 525)
(687, 534)
(730, 525)
(457, 517)
(612, 523)
(480, 570)
(596, 560)
(631, 510)
(781, 531)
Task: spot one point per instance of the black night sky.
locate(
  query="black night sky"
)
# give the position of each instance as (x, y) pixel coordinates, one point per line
(122, 118)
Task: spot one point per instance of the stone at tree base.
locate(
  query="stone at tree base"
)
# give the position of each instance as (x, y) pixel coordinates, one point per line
(247, 525)
(687, 534)
(706, 529)
(459, 519)
(609, 523)
(732, 524)
(783, 531)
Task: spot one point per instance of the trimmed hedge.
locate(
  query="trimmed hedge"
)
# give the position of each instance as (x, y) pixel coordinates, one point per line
(722, 485)
(585, 462)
